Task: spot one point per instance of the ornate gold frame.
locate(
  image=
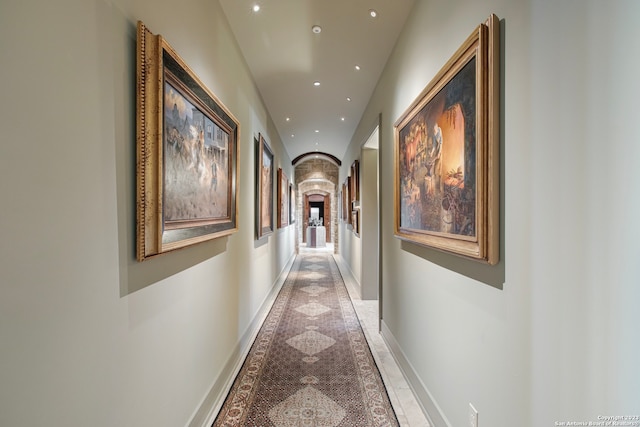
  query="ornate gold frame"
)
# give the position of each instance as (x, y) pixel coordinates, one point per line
(283, 199)
(483, 45)
(262, 199)
(157, 61)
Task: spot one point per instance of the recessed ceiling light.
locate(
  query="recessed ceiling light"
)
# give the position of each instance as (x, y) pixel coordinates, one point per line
(373, 13)
(256, 8)
(317, 131)
(317, 29)
(348, 98)
(288, 119)
(357, 68)
(342, 118)
(316, 83)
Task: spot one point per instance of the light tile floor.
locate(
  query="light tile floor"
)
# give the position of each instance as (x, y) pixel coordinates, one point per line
(404, 403)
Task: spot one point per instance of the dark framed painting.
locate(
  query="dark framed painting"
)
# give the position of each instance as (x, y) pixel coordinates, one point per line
(355, 182)
(264, 188)
(447, 154)
(187, 154)
(292, 204)
(355, 221)
(348, 198)
(283, 196)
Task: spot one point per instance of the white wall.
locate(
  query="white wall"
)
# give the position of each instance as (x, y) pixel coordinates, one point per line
(369, 225)
(88, 335)
(550, 333)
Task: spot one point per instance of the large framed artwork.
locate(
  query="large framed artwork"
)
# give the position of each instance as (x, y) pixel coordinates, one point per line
(264, 188)
(292, 204)
(355, 221)
(348, 198)
(283, 196)
(446, 145)
(355, 182)
(187, 154)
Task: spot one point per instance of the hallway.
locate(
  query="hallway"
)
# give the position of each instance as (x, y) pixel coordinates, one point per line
(258, 381)
(402, 398)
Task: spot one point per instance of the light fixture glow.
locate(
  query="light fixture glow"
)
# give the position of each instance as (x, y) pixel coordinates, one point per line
(256, 8)
(357, 68)
(349, 98)
(342, 118)
(317, 131)
(317, 29)
(316, 83)
(288, 119)
(373, 13)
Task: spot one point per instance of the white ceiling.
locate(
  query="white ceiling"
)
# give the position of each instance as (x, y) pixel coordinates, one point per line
(286, 57)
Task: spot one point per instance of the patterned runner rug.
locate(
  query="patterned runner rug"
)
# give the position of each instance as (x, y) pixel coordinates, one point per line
(310, 364)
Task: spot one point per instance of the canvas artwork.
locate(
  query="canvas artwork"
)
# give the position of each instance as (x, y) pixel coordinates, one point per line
(348, 198)
(186, 153)
(264, 188)
(283, 199)
(355, 181)
(438, 180)
(447, 151)
(292, 204)
(196, 162)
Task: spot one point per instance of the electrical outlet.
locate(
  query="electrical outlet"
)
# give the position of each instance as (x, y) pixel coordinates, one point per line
(473, 416)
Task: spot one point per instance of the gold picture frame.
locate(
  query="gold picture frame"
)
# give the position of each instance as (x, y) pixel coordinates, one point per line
(187, 154)
(446, 145)
(264, 188)
(355, 182)
(283, 199)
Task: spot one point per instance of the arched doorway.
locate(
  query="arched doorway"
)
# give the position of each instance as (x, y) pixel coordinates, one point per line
(317, 210)
(316, 186)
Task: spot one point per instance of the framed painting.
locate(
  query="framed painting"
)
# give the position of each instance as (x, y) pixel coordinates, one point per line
(344, 202)
(446, 144)
(355, 181)
(348, 198)
(283, 195)
(355, 221)
(292, 204)
(187, 154)
(264, 188)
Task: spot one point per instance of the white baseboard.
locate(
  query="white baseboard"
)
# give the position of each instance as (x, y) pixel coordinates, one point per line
(212, 402)
(349, 279)
(429, 406)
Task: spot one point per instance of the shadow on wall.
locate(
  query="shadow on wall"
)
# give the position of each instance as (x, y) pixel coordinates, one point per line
(492, 275)
(138, 275)
(135, 275)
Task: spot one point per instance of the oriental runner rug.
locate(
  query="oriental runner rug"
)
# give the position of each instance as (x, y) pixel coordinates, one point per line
(310, 364)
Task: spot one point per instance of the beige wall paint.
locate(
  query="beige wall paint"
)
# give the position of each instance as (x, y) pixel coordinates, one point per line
(369, 225)
(549, 334)
(89, 336)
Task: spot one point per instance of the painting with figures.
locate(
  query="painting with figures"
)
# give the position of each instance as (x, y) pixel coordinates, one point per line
(447, 153)
(196, 162)
(264, 188)
(186, 154)
(437, 160)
